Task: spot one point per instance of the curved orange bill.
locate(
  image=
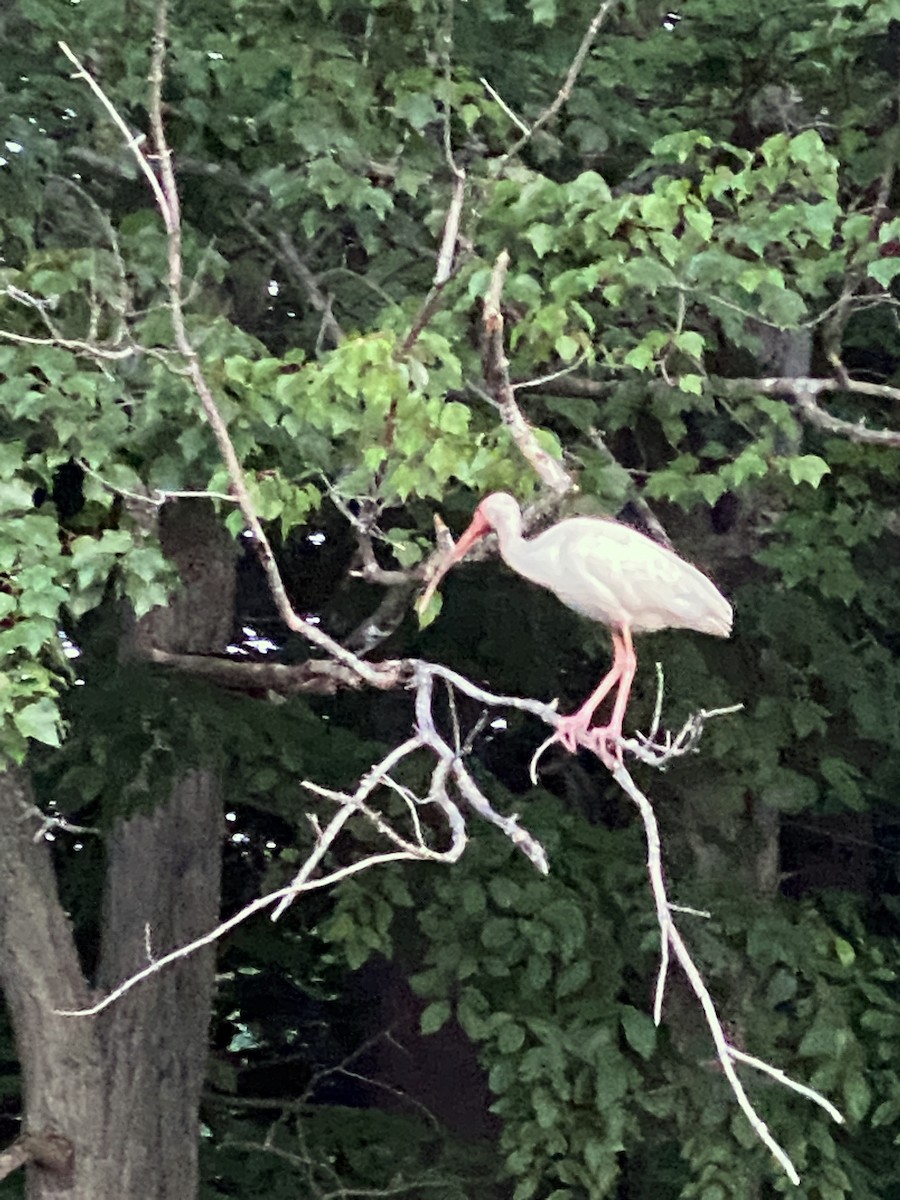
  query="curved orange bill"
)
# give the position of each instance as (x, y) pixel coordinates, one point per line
(478, 529)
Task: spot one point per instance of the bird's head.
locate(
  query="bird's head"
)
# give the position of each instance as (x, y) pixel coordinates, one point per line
(494, 511)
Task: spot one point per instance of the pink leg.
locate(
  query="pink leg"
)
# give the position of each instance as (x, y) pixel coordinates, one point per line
(573, 729)
(604, 740)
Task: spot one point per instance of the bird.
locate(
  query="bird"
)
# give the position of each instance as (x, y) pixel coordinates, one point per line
(610, 573)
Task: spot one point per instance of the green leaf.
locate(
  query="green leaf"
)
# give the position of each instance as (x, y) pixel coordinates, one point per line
(611, 1082)
(884, 270)
(857, 1095)
(749, 464)
(542, 237)
(691, 343)
(845, 781)
(845, 952)
(789, 791)
(435, 1016)
(573, 978)
(782, 987)
(474, 899)
(808, 468)
(455, 418)
(39, 721)
(543, 12)
(711, 487)
(640, 1031)
(692, 384)
(431, 612)
(566, 347)
(546, 1108)
(809, 149)
(505, 892)
(511, 1038)
(700, 220)
(497, 933)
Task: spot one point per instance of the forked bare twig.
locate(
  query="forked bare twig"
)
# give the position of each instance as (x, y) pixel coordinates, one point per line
(670, 938)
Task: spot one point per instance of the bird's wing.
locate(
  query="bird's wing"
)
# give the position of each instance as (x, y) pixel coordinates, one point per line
(613, 573)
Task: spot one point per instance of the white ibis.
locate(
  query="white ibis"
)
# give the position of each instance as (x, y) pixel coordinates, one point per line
(611, 573)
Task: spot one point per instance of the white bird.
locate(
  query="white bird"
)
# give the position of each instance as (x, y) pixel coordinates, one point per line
(608, 572)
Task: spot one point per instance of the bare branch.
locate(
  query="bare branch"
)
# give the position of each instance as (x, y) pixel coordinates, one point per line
(157, 497)
(853, 431)
(777, 1074)
(448, 767)
(803, 391)
(444, 266)
(320, 302)
(91, 349)
(672, 939)
(159, 964)
(447, 266)
(495, 95)
(593, 389)
(813, 387)
(134, 142)
(321, 677)
(565, 92)
(50, 1151)
(496, 374)
(543, 382)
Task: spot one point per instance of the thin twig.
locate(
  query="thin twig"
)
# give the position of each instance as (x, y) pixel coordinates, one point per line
(134, 142)
(495, 95)
(776, 1073)
(91, 349)
(564, 93)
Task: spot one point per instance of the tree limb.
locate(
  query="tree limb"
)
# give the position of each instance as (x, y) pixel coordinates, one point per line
(320, 677)
(803, 393)
(670, 938)
(496, 374)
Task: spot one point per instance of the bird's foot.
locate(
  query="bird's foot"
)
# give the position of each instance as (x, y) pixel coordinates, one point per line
(575, 734)
(606, 742)
(603, 740)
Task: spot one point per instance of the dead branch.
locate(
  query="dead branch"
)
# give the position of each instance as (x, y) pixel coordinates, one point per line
(565, 92)
(496, 374)
(443, 270)
(448, 262)
(320, 302)
(89, 349)
(671, 939)
(319, 677)
(448, 771)
(803, 392)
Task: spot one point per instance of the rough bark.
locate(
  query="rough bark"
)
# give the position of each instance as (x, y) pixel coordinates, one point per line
(122, 1089)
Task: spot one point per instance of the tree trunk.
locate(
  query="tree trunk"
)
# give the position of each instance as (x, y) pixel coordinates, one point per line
(120, 1091)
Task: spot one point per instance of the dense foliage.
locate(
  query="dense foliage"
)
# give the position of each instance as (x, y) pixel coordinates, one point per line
(703, 270)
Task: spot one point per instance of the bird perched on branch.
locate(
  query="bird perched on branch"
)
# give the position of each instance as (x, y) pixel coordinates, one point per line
(608, 572)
